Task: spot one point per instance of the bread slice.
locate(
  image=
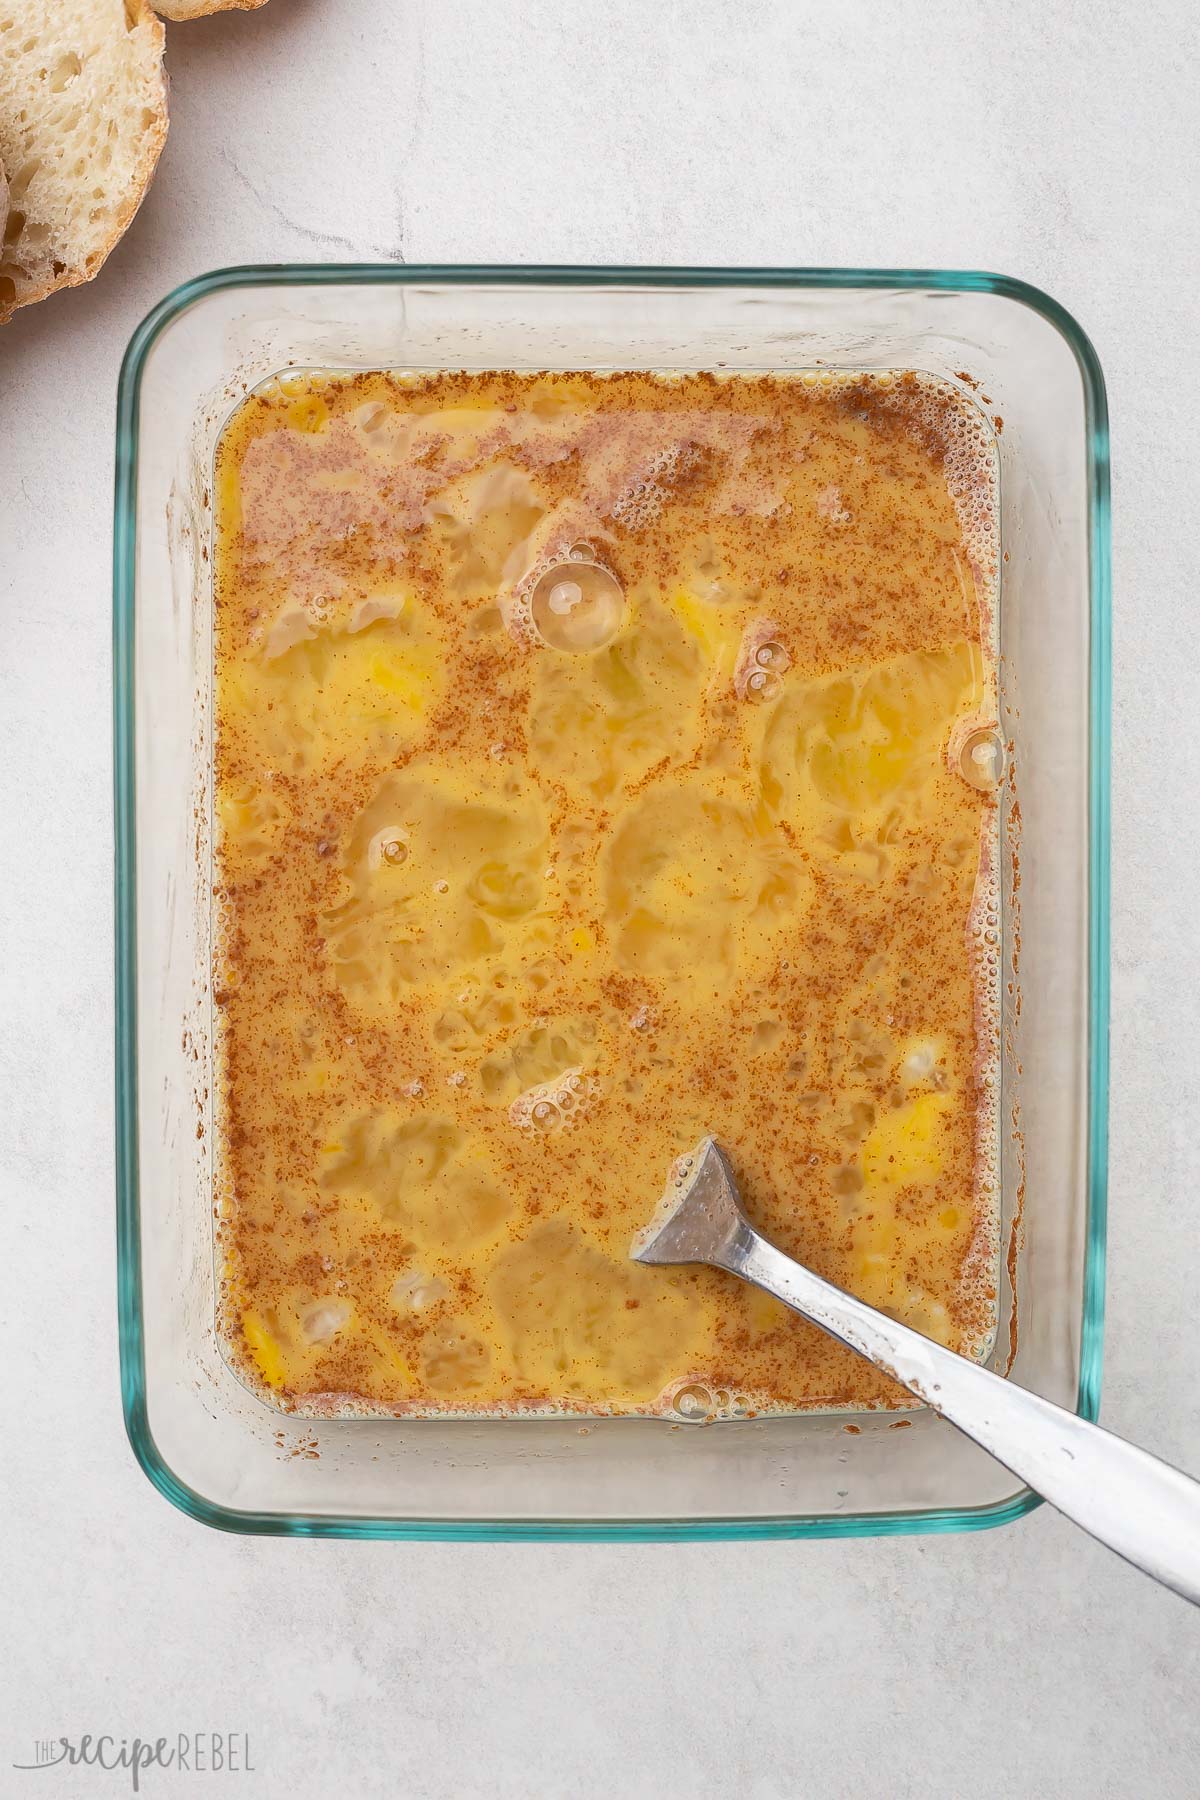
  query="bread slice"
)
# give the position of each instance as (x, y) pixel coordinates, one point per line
(83, 115)
(197, 9)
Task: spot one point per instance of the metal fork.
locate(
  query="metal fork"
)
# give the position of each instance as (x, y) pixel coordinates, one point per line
(1141, 1507)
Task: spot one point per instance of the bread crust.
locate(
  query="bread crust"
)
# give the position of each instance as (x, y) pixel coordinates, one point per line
(179, 10)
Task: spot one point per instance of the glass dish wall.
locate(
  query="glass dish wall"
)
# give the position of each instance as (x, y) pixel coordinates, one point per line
(203, 1439)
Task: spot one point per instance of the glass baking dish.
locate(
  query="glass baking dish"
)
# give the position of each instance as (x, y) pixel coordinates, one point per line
(204, 1440)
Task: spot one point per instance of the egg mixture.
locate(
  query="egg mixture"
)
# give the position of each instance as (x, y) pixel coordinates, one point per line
(602, 761)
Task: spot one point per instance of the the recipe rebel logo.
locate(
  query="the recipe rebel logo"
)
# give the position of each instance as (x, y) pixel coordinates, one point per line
(187, 1752)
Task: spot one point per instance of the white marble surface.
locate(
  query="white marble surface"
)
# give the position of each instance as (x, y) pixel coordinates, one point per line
(1047, 138)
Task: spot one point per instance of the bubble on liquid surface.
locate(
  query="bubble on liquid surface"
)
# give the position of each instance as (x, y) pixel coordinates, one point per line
(762, 684)
(699, 1405)
(553, 1105)
(694, 1402)
(577, 605)
(388, 848)
(762, 662)
(980, 759)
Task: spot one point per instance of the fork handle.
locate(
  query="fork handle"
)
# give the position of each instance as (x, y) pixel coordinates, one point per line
(1141, 1507)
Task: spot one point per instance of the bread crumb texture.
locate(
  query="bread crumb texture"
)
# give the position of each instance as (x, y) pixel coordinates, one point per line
(83, 117)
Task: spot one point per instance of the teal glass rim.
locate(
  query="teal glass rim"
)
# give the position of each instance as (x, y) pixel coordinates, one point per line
(129, 1271)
